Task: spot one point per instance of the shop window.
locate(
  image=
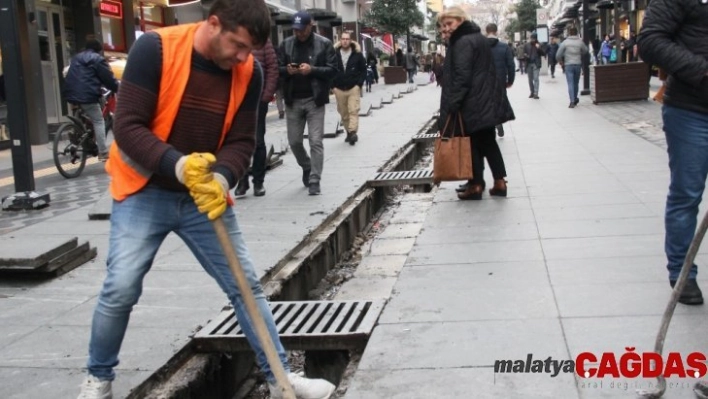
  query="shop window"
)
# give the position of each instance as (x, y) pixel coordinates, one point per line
(150, 16)
(113, 34)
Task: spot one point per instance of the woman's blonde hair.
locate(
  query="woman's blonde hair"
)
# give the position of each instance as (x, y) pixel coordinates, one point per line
(453, 12)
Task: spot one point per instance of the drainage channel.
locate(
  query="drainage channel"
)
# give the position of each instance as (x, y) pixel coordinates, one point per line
(216, 364)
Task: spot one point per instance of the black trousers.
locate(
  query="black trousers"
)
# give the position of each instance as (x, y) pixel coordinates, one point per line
(484, 145)
(259, 156)
(553, 69)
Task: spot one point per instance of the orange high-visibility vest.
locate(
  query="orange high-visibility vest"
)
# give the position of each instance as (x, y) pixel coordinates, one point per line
(127, 177)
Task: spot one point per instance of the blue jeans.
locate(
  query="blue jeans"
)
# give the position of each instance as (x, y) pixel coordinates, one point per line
(93, 111)
(687, 139)
(139, 224)
(572, 76)
(411, 73)
(533, 71)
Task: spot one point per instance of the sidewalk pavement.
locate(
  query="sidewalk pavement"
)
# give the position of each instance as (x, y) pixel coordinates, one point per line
(44, 326)
(572, 261)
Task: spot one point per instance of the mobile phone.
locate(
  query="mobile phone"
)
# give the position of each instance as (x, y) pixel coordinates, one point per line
(294, 65)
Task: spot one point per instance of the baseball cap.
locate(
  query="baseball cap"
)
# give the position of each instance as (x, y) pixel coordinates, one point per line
(301, 20)
(534, 35)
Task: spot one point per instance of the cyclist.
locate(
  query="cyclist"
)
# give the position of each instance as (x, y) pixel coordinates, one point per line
(87, 73)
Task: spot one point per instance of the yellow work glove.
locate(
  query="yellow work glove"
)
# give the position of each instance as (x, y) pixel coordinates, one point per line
(195, 168)
(211, 196)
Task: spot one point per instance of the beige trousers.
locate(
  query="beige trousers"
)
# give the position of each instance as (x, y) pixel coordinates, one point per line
(348, 102)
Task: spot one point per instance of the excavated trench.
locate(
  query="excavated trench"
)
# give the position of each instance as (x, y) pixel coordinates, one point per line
(313, 270)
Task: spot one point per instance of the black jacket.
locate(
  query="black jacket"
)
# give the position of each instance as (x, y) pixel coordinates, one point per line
(354, 73)
(324, 67)
(674, 36)
(530, 49)
(88, 71)
(470, 85)
(503, 61)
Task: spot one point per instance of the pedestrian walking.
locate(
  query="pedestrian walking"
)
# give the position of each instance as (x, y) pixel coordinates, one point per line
(605, 50)
(472, 91)
(570, 55)
(532, 54)
(673, 37)
(374, 63)
(351, 74)
(279, 100)
(505, 67)
(164, 176)
(268, 61)
(88, 72)
(308, 63)
(552, 60)
(438, 68)
(412, 64)
(520, 57)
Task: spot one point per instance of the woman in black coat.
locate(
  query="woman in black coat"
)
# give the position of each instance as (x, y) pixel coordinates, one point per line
(470, 88)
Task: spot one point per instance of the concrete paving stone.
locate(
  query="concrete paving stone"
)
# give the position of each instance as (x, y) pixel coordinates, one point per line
(478, 383)
(36, 311)
(10, 334)
(500, 251)
(407, 218)
(578, 187)
(615, 298)
(363, 288)
(567, 168)
(600, 227)
(479, 233)
(393, 246)
(483, 291)
(465, 214)
(603, 247)
(593, 212)
(461, 344)
(587, 199)
(380, 266)
(515, 189)
(554, 157)
(503, 204)
(413, 197)
(628, 269)
(402, 230)
(32, 382)
(64, 347)
(25, 251)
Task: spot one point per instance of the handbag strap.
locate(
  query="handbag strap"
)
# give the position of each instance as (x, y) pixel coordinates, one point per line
(447, 123)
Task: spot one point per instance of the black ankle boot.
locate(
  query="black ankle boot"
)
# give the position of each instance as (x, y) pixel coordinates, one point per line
(691, 294)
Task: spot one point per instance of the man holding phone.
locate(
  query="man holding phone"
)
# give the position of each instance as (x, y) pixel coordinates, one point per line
(307, 64)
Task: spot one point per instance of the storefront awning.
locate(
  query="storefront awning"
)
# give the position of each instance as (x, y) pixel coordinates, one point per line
(279, 9)
(319, 14)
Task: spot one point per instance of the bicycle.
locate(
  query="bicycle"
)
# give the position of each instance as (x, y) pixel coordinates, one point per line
(75, 141)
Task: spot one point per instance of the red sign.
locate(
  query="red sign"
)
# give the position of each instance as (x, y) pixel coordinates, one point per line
(111, 9)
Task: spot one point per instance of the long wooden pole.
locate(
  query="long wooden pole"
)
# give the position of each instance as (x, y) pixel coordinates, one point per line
(253, 312)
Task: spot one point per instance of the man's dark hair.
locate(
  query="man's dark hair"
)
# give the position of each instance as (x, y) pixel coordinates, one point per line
(573, 31)
(94, 45)
(253, 16)
(492, 28)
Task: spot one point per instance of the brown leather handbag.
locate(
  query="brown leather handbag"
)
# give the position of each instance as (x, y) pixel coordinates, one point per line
(452, 159)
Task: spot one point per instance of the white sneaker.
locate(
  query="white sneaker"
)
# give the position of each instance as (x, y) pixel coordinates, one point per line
(305, 388)
(93, 388)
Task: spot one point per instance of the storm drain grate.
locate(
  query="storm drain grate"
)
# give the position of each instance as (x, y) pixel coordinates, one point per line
(307, 325)
(425, 137)
(411, 177)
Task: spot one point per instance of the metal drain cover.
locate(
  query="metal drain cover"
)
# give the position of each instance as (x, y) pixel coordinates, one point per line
(425, 137)
(307, 325)
(411, 177)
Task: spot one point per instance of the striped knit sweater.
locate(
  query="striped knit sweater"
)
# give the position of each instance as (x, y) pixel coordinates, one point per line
(199, 121)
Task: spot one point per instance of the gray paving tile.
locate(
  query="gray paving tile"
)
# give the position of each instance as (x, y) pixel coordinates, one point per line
(479, 383)
(466, 215)
(402, 230)
(499, 251)
(392, 246)
(32, 382)
(603, 247)
(10, 334)
(595, 212)
(36, 311)
(483, 291)
(542, 201)
(371, 287)
(616, 299)
(629, 269)
(460, 344)
(480, 233)
(601, 227)
(578, 187)
(384, 266)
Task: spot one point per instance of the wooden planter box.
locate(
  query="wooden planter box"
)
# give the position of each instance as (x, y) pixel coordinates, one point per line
(619, 82)
(395, 75)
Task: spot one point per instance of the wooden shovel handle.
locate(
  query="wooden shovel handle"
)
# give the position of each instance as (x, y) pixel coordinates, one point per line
(253, 312)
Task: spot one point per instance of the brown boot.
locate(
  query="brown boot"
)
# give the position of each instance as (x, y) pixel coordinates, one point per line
(473, 192)
(499, 188)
